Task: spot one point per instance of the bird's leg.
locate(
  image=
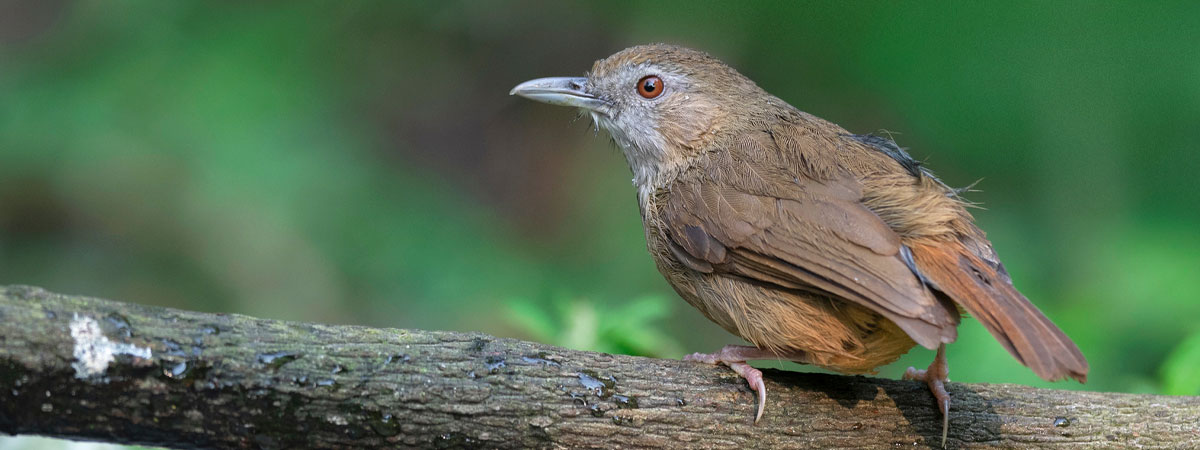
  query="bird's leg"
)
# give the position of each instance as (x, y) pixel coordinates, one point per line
(936, 377)
(735, 356)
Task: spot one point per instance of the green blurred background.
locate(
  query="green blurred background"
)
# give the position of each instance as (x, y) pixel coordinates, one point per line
(362, 162)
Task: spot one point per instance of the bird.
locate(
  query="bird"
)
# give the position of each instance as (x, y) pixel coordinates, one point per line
(813, 244)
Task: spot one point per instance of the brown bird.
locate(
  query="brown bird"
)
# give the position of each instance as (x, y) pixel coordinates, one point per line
(814, 244)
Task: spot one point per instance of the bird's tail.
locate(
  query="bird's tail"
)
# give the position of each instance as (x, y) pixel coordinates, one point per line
(987, 293)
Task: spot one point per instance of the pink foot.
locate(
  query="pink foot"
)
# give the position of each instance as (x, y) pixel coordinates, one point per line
(936, 377)
(735, 357)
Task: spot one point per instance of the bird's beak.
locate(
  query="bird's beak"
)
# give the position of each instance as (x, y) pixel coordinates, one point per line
(562, 91)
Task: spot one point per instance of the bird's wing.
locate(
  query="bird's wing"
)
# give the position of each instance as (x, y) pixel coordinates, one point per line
(749, 213)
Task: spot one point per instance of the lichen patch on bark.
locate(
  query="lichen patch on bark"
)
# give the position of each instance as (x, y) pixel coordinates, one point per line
(94, 351)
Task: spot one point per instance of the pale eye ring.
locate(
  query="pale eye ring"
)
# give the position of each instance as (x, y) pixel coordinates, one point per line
(650, 86)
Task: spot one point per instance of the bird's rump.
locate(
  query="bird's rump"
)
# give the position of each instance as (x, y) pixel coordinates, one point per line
(955, 258)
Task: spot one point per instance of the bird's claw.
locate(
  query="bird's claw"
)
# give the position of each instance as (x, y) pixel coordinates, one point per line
(753, 376)
(936, 377)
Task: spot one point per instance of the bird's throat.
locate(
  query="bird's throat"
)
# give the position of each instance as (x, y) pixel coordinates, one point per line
(652, 165)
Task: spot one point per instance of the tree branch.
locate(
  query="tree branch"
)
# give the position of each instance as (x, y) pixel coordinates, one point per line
(85, 368)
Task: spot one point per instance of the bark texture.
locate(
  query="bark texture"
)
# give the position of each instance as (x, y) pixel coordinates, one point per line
(86, 368)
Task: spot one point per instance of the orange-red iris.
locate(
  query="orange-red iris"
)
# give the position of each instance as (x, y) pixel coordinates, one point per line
(650, 86)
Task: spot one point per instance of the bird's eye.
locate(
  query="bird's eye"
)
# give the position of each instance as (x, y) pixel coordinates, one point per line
(650, 86)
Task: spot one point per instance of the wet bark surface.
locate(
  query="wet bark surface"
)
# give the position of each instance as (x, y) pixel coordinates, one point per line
(85, 368)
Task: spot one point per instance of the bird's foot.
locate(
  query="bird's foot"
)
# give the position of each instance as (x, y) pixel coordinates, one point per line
(735, 357)
(936, 377)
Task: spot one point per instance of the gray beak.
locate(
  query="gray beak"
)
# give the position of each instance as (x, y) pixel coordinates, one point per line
(562, 91)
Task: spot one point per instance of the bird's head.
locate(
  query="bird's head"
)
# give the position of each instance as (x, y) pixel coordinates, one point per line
(662, 104)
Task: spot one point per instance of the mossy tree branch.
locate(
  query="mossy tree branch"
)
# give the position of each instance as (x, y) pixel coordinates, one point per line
(85, 368)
